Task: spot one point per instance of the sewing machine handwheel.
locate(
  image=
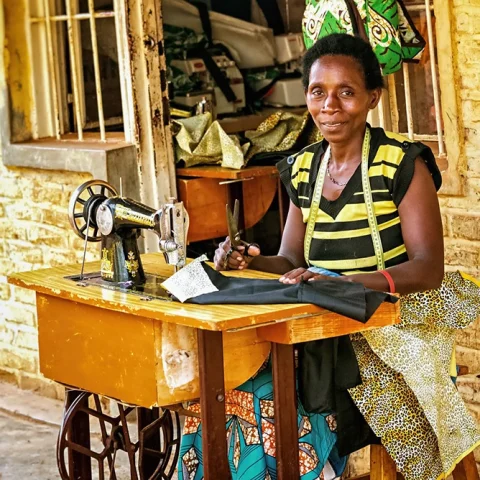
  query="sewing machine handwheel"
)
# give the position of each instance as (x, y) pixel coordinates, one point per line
(87, 196)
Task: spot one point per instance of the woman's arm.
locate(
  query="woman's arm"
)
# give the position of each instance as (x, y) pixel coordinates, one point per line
(423, 237)
(290, 255)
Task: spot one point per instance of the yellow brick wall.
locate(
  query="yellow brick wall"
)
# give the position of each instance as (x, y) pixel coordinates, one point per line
(462, 215)
(34, 233)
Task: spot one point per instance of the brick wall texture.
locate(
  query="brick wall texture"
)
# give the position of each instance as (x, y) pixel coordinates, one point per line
(462, 214)
(34, 233)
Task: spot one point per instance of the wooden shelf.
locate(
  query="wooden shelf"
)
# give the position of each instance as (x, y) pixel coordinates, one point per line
(222, 173)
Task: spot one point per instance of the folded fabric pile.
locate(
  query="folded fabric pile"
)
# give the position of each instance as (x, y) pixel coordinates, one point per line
(199, 141)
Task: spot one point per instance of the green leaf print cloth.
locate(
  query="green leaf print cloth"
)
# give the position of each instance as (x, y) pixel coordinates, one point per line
(386, 24)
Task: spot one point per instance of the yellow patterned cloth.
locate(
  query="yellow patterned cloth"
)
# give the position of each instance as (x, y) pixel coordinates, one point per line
(406, 394)
(279, 133)
(200, 142)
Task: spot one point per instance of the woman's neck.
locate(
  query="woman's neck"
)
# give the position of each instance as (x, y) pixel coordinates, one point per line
(347, 152)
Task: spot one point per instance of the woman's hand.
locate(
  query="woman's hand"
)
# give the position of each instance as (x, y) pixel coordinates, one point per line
(228, 259)
(302, 275)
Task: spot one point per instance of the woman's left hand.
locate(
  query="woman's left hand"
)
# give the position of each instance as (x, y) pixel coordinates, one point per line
(301, 275)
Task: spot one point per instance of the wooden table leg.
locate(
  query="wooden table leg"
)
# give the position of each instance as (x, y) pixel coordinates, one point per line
(80, 466)
(285, 408)
(212, 404)
(382, 467)
(466, 469)
(148, 463)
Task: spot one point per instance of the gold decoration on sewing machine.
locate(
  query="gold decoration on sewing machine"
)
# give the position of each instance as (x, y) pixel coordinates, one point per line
(124, 213)
(131, 264)
(106, 265)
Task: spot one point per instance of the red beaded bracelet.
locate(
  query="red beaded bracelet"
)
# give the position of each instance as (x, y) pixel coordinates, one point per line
(391, 283)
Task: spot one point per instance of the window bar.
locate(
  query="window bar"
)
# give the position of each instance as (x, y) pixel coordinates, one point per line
(408, 100)
(418, 8)
(73, 68)
(76, 16)
(51, 71)
(96, 69)
(381, 113)
(424, 137)
(126, 78)
(433, 65)
(392, 96)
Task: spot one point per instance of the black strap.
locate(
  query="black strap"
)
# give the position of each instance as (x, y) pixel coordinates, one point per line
(205, 19)
(356, 19)
(272, 15)
(243, 11)
(218, 76)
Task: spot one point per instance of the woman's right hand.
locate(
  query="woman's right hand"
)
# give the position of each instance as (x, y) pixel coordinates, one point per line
(228, 259)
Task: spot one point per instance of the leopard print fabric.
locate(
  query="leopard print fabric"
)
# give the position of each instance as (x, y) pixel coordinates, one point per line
(394, 414)
(456, 304)
(406, 395)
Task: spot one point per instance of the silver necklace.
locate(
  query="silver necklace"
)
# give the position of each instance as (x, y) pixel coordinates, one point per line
(331, 178)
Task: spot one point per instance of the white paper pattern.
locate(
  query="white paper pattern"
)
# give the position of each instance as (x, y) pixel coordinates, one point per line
(190, 281)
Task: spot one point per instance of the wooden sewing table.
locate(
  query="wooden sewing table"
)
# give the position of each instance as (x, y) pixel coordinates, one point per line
(110, 343)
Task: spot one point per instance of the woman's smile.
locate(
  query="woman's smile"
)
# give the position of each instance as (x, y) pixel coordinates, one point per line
(333, 125)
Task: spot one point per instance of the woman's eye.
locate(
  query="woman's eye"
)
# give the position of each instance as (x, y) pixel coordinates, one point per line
(347, 93)
(316, 92)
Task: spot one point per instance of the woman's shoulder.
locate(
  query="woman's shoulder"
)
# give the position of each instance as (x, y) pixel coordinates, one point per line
(397, 145)
(392, 138)
(400, 152)
(302, 159)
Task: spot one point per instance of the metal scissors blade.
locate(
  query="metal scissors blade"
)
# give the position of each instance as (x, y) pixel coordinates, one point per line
(232, 224)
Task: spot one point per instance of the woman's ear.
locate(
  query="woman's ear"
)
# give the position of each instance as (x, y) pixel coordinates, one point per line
(376, 94)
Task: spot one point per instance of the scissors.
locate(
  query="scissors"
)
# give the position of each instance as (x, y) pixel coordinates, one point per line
(232, 224)
(234, 232)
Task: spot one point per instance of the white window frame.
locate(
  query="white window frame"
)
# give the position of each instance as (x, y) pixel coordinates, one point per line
(46, 32)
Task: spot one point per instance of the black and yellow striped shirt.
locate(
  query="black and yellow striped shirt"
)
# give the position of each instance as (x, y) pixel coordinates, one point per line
(342, 241)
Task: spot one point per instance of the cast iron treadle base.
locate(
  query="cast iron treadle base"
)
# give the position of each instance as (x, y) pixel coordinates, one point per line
(153, 456)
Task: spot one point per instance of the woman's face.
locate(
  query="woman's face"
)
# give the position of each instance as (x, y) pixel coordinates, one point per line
(338, 99)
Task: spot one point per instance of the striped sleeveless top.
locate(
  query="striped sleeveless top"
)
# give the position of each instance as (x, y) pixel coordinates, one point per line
(341, 241)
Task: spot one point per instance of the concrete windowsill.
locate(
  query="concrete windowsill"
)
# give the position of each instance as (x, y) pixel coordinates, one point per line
(114, 161)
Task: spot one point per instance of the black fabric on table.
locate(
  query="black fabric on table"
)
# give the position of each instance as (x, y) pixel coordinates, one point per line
(327, 368)
(345, 298)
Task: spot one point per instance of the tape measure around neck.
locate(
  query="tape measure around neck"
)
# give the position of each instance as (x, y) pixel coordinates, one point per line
(315, 204)
(367, 196)
(367, 192)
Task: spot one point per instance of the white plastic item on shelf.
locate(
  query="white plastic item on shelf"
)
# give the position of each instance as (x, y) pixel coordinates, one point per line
(251, 46)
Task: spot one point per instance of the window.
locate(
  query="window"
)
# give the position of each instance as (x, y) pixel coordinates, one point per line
(84, 92)
(413, 92)
(75, 68)
(420, 103)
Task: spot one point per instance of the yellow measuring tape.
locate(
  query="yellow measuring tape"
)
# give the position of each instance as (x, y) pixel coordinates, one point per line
(367, 192)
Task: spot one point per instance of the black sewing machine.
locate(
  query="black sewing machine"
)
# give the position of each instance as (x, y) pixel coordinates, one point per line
(98, 213)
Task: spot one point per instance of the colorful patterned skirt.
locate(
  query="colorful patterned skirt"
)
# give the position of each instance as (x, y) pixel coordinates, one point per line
(250, 436)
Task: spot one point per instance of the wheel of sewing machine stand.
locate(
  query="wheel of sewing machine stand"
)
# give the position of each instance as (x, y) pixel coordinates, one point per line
(152, 456)
(86, 196)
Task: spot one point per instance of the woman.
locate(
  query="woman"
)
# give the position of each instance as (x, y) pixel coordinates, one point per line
(343, 83)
